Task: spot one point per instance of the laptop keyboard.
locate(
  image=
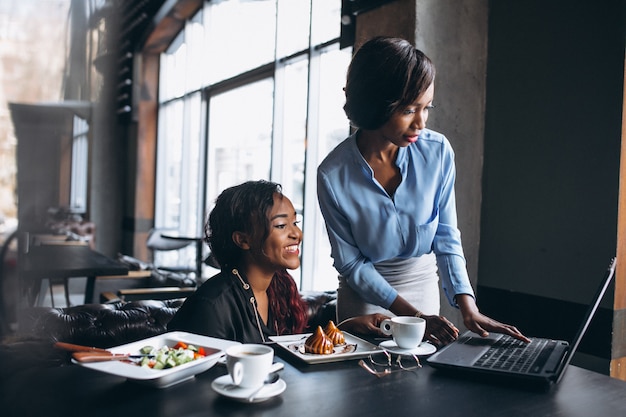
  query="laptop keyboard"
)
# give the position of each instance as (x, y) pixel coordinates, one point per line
(512, 354)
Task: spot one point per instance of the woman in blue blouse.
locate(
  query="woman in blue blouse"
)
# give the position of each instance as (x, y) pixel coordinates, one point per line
(387, 196)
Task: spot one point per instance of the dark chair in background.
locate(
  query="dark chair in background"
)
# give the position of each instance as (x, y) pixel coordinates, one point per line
(8, 285)
(158, 243)
(144, 281)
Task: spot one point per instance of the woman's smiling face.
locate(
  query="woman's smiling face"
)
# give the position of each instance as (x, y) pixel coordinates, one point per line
(281, 248)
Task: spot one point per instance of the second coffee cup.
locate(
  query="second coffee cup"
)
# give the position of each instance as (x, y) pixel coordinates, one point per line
(407, 331)
(249, 364)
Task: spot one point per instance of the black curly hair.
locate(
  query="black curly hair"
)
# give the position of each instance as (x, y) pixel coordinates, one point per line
(242, 208)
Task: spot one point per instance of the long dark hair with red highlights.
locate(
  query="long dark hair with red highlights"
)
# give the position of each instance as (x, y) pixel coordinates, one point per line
(245, 208)
(287, 305)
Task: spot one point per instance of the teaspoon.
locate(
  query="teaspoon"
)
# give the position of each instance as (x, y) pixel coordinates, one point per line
(271, 378)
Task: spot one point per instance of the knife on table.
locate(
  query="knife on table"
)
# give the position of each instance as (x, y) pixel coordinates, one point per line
(93, 354)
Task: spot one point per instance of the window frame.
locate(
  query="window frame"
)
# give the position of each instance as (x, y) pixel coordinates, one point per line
(312, 220)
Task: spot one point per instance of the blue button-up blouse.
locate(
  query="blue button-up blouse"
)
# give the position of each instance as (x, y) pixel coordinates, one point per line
(366, 226)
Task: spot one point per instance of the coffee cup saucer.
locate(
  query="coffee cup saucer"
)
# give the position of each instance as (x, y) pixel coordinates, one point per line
(224, 386)
(424, 348)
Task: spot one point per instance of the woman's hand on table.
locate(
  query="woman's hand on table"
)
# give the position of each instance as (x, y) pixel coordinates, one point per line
(480, 324)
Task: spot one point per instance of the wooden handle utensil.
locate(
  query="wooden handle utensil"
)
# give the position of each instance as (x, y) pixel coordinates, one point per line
(103, 356)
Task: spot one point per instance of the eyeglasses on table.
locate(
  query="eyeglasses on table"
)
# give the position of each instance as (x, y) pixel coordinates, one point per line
(385, 363)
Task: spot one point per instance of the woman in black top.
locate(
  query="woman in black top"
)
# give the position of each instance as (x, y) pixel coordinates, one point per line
(253, 234)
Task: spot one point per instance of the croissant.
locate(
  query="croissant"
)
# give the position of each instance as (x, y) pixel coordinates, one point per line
(334, 334)
(319, 343)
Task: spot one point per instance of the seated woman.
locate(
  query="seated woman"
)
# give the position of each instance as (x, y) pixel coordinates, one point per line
(254, 235)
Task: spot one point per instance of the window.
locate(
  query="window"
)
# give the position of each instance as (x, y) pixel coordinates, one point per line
(80, 160)
(235, 107)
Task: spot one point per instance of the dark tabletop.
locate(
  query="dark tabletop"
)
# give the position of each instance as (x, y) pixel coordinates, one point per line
(333, 389)
(61, 261)
(66, 261)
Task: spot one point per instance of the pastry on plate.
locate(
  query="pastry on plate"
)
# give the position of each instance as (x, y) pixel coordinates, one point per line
(319, 343)
(334, 334)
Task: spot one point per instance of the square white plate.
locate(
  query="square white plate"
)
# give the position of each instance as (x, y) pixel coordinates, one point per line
(290, 344)
(162, 378)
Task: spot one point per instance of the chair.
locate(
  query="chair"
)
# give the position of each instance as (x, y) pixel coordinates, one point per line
(7, 288)
(141, 282)
(157, 243)
(111, 284)
(63, 239)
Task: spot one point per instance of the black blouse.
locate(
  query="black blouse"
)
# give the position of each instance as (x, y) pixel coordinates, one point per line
(224, 309)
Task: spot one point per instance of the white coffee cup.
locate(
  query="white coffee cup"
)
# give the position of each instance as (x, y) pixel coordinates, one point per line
(407, 331)
(249, 364)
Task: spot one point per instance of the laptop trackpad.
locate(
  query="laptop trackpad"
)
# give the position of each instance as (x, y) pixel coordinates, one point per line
(465, 350)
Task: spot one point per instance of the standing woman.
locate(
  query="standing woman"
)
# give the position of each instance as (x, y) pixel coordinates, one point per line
(387, 197)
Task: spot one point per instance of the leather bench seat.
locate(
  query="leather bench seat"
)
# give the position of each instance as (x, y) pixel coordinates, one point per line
(116, 323)
(109, 324)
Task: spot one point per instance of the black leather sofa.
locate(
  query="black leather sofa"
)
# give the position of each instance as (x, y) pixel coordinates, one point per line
(113, 324)
(108, 325)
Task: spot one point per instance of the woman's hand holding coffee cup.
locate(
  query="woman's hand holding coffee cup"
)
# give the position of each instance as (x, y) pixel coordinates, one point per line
(407, 331)
(249, 364)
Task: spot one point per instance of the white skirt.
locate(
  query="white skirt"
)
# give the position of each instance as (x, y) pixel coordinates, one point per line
(415, 279)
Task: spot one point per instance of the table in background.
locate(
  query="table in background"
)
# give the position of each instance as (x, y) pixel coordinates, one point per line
(64, 262)
(341, 389)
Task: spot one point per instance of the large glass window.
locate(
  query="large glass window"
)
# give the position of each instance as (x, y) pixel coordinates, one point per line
(240, 136)
(237, 107)
(80, 158)
(293, 28)
(328, 126)
(241, 36)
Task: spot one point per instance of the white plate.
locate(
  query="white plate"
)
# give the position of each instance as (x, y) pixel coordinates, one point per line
(292, 345)
(424, 348)
(163, 378)
(222, 386)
